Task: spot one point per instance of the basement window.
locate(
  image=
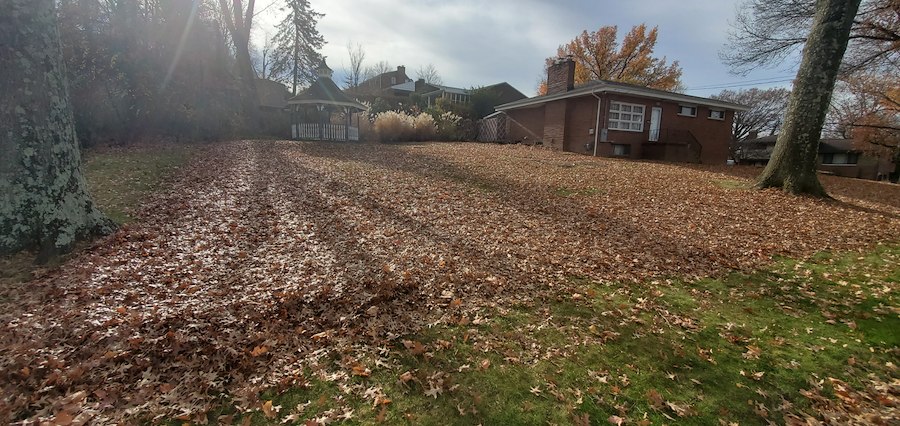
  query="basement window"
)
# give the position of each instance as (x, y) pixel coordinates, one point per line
(621, 149)
(626, 117)
(687, 110)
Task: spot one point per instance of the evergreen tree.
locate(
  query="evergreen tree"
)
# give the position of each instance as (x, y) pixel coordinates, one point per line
(297, 44)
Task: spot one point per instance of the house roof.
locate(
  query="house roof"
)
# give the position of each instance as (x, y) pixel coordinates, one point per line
(832, 146)
(826, 145)
(605, 86)
(761, 148)
(445, 89)
(324, 92)
(507, 92)
(271, 94)
(409, 86)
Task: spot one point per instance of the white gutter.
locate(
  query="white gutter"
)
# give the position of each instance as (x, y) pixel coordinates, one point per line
(597, 123)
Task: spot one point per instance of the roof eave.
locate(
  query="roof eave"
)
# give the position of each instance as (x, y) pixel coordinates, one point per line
(319, 102)
(594, 89)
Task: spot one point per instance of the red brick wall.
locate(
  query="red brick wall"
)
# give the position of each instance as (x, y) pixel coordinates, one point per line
(531, 118)
(713, 135)
(566, 125)
(581, 116)
(555, 123)
(561, 76)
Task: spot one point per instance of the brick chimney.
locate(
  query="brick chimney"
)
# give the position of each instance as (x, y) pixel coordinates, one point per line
(561, 76)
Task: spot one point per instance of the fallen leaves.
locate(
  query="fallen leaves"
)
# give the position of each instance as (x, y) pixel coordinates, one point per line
(265, 257)
(269, 410)
(259, 350)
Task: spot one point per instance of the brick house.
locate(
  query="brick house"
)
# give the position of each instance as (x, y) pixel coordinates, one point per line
(838, 157)
(634, 121)
(382, 84)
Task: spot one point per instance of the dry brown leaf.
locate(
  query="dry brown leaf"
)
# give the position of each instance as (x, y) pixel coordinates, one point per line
(268, 410)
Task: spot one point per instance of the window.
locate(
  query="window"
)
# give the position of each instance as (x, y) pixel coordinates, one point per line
(716, 114)
(621, 149)
(840, 158)
(393, 80)
(688, 110)
(627, 117)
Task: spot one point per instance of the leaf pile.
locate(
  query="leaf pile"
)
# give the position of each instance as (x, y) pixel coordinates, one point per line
(266, 259)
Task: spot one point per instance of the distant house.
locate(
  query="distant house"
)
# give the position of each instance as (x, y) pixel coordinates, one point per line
(272, 95)
(272, 98)
(382, 84)
(614, 119)
(396, 85)
(836, 156)
(430, 93)
(504, 93)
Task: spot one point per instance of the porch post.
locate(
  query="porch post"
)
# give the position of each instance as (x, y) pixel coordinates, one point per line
(347, 126)
(320, 108)
(292, 113)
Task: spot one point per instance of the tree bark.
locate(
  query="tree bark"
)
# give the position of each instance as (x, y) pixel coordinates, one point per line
(44, 202)
(792, 166)
(239, 26)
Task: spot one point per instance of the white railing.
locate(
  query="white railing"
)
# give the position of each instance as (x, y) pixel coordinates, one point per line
(327, 132)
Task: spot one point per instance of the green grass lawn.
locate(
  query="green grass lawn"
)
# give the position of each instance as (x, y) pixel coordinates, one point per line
(119, 177)
(744, 348)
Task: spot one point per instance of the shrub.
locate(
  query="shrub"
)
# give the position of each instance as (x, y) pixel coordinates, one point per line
(424, 127)
(447, 125)
(394, 126)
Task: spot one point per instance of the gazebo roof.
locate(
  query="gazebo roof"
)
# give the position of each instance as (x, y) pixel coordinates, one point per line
(324, 92)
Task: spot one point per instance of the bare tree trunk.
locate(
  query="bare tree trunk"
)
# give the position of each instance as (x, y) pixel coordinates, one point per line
(44, 201)
(239, 26)
(793, 163)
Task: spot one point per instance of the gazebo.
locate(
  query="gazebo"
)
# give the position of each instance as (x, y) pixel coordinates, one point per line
(317, 111)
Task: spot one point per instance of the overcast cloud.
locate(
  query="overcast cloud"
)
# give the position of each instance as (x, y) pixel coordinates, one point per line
(476, 43)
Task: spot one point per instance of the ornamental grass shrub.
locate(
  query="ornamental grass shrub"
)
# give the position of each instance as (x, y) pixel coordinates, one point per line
(396, 126)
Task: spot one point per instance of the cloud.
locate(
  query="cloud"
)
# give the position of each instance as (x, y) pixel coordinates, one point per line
(474, 43)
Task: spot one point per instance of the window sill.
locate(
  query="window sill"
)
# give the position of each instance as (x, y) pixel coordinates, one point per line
(717, 119)
(686, 115)
(627, 130)
(839, 164)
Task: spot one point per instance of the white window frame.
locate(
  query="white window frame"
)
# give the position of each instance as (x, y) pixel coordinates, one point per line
(681, 108)
(616, 109)
(721, 111)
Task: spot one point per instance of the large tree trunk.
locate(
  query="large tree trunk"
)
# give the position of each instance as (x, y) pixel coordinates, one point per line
(239, 26)
(44, 201)
(250, 101)
(793, 163)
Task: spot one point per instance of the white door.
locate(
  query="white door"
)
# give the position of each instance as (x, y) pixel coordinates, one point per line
(655, 117)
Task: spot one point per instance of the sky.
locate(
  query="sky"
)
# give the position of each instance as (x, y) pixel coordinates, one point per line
(477, 43)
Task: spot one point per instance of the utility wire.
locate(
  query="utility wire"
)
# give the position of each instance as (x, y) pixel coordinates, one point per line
(741, 84)
(760, 80)
(266, 8)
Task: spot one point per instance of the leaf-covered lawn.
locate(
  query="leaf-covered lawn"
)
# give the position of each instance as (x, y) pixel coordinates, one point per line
(119, 177)
(277, 265)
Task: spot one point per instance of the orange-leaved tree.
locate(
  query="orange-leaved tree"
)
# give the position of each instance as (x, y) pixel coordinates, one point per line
(867, 109)
(598, 56)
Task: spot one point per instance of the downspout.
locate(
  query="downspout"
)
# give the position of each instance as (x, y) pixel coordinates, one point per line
(597, 124)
